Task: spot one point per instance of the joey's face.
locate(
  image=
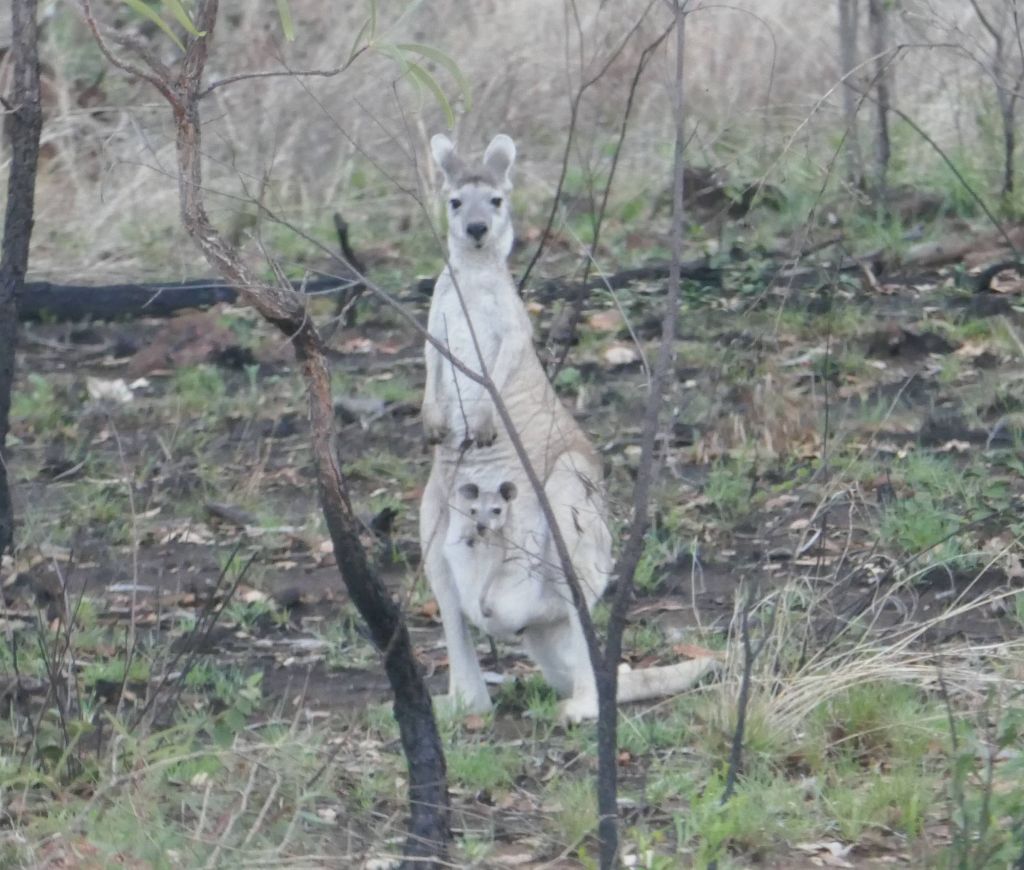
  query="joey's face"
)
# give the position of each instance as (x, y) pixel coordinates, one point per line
(486, 512)
(476, 197)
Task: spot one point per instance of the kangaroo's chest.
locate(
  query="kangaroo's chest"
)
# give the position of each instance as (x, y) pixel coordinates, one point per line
(470, 337)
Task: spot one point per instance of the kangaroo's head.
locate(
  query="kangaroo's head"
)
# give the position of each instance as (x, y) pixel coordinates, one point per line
(477, 197)
(488, 510)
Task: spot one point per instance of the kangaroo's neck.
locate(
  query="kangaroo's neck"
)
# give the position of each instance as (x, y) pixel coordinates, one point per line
(481, 280)
(492, 256)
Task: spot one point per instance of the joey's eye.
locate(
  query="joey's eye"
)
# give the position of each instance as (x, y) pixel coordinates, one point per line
(496, 511)
(455, 203)
(497, 201)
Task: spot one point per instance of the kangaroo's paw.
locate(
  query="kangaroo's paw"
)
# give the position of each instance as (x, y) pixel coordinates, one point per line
(574, 710)
(452, 706)
(483, 433)
(435, 427)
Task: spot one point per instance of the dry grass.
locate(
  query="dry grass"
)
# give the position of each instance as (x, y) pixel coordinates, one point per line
(762, 91)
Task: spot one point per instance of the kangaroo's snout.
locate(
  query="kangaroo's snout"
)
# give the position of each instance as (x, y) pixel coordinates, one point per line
(486, 611)
(480, 528)
(477, 230)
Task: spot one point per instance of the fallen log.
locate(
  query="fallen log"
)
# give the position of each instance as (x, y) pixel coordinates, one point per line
(44, 300)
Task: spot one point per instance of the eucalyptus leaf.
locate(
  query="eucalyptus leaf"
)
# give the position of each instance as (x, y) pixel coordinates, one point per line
(147, 11)
(184, 19)
(424, 78)
(442, 59)
(285, 14)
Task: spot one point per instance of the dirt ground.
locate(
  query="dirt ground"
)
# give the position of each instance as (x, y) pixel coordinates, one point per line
(790, 424)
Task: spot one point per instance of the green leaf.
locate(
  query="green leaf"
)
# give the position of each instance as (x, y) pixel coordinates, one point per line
(287, 25)
(395, 54)
(422, 77)
(359, 38)
(442, 59)
(148, 12)
(184, 19)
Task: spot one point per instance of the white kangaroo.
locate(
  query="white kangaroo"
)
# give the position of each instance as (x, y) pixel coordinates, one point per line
(477, 314)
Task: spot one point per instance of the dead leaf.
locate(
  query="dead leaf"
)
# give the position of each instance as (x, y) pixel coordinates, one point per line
(694, 651)
(1007, 281)
(474, 723)
(110, 390)
(605, 321)
(620, 354)
(357, 344)
(827, 853)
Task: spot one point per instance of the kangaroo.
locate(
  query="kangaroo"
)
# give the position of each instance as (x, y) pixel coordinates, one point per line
(477, 314)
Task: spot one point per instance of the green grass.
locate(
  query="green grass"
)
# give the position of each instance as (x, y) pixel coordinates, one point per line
(37, 407)
(729, 489)
(482, 767)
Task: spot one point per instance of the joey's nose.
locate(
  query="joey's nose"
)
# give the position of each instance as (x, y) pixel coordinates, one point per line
(477, 231)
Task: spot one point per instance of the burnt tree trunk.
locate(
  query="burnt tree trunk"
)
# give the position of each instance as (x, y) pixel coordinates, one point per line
(24, 123)
(847, 66)
(878, 28)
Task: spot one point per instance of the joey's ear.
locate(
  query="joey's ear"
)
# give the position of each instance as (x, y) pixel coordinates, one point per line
(499, 157)
(507, 490)
(448, 162)
(469, 491)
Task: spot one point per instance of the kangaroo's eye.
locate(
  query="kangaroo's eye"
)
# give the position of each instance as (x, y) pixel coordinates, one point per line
(496, 511)
(455, 203)
(472, 512)
(497, 201)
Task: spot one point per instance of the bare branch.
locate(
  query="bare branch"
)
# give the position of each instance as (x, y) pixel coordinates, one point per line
(161, 83)
(287, 73)
(573, 116)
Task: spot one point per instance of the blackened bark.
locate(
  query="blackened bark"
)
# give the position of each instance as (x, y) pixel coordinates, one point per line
(847, 65)
(1009, 144)
(878, 26)
(24, 124)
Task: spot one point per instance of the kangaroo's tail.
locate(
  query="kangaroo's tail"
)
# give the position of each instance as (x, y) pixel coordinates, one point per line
(660, 682)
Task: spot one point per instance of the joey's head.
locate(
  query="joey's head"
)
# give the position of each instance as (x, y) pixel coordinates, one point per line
(476, 197)
(486, 511)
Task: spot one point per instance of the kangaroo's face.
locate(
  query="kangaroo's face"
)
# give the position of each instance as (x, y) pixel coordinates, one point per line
(486, 512)
(477, 197)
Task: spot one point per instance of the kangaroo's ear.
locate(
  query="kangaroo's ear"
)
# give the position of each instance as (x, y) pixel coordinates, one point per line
(445, 157)
(469, 491)
(499, 157)
(507, 490)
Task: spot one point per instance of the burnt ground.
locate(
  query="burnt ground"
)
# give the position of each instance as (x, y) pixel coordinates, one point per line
(860, 440)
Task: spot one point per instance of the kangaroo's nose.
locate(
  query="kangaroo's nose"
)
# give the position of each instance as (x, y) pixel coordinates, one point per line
(486, 611)
(480, 529)
(477, 231)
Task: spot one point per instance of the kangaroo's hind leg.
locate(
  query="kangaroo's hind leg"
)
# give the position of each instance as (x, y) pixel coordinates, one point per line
(560, 648)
